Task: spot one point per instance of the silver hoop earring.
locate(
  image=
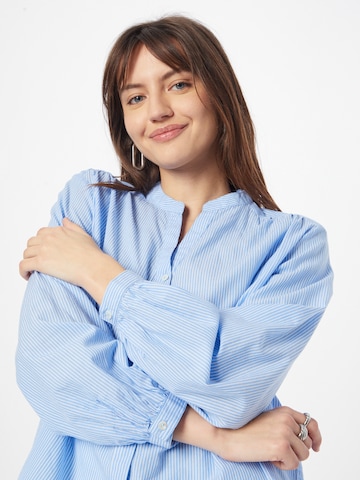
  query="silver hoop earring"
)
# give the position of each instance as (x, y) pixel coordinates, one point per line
(137, 166)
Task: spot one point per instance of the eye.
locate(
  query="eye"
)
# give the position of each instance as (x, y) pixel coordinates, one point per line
(181, 85)
(135, 100)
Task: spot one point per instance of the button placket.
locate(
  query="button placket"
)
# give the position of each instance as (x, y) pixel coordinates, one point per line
(162, 425)
(108, 315)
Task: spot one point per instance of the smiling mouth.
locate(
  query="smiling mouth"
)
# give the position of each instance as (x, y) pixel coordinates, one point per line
(167, 133)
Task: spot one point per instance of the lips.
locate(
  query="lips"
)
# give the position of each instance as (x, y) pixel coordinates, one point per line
(167, 133)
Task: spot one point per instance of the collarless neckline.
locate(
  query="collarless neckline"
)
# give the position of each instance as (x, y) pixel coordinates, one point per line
(160, 199)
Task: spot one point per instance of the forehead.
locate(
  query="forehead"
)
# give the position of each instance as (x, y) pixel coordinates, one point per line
(170, 55)
(143, 62)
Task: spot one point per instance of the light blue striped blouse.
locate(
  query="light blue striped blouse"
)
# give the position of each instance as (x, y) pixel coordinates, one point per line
(214, 322)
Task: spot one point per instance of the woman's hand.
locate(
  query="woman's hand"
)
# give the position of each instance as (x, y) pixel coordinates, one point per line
(273, 437)
(70, 254)
(270, 437)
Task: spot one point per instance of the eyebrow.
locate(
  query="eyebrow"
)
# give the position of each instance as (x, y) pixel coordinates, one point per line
(130, 86)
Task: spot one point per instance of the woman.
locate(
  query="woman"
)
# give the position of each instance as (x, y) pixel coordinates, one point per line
(164, 309)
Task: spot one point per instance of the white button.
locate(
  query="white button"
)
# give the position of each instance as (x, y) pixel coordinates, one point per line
(162, 425)
(108, 315)
(165, 277)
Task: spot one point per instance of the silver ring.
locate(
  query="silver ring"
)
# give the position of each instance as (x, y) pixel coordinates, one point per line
(307, 419)
(303, 434)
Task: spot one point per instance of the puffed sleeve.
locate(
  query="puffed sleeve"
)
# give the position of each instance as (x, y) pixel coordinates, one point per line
(227, 363)
(76, 374)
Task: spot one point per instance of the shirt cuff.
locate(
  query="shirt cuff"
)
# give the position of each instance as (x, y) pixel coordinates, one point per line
(114, 292)
(162, 427)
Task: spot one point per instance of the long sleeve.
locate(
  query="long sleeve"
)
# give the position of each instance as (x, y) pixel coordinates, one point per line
(70, 367)
(77, 377)
(228, 363)
(214, 321)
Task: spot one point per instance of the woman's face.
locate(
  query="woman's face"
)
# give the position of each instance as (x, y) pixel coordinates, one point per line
(169, 119)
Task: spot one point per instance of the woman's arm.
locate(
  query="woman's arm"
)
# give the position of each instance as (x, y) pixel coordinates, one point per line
(77, 375)
(228, 364)
(232, 363)
(69, 253)
(70, 366)
(270, 437)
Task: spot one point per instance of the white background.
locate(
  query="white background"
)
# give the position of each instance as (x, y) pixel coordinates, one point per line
(298, 64)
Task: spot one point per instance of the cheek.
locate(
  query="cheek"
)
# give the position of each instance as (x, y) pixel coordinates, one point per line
(202, 110)
(130, 126)
(208, 118)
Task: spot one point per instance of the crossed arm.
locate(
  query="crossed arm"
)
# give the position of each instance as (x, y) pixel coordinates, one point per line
(68, 253)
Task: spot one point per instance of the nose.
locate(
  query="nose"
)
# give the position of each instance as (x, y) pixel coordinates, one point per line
(159, 108)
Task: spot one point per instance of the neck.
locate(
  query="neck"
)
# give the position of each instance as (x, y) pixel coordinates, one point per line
(194, 191)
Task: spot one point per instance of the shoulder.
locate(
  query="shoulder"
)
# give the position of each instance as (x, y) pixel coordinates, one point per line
(294, 243)
(284, 229)
(82, 182)
(294, 222)
(283, 220)
(81, 198)
(90, 177)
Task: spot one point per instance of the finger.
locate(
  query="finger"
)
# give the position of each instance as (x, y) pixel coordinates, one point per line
(71, 225)
(42, 231)
(33, 241)
(314, 434)
(297, 452)
(301, 448)
(31, 251)
(290, 460)
(298, 449)
(308, 441)
(24, 270)
(299, 417)
(313, 428)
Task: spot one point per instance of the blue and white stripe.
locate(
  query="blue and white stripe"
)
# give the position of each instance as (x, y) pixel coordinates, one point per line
(215, 322)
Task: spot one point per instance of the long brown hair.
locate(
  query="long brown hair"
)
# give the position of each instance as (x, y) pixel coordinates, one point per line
(186, 44)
